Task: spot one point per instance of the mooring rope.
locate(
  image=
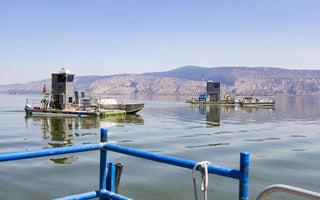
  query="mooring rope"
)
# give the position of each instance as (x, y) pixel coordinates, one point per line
(203, 169)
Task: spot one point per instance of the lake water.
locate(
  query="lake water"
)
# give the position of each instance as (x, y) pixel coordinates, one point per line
(283, 144)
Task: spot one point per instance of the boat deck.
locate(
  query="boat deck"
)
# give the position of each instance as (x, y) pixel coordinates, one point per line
(76, 113)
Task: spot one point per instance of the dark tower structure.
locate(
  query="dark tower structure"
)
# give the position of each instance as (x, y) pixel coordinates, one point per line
(62, 90)
(213, 91)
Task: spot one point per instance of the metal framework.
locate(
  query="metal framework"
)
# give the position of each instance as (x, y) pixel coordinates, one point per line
(108, 171)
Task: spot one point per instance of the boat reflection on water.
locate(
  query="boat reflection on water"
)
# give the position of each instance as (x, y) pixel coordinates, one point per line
(258, 109)
(61, 131)
(237, 108)
(213, 112)
(64, 160)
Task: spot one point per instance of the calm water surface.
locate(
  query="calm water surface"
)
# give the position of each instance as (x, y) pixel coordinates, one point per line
(283, 145)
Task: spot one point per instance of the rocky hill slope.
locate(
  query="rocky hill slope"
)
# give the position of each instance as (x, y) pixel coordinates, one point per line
(191, 80)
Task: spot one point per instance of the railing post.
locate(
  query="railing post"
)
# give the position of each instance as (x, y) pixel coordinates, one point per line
(111, 177)
(103, 162)
(244, 176)
(114, 176)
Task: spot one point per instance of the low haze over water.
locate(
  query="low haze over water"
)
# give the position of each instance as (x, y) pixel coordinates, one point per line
(283, 143)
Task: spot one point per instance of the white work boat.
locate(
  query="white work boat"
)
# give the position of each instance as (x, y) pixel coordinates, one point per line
(257, 102)
(113, 104)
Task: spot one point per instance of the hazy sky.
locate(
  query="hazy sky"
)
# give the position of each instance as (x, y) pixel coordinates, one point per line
(104, 37)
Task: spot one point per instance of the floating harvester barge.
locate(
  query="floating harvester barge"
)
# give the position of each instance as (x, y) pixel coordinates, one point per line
(64, 101)
(212, 96)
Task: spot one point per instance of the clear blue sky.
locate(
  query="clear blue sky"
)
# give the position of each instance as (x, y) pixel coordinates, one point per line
(104, 37)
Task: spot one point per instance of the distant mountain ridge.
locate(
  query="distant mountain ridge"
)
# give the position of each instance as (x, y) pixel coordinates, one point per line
(190, 80)
(217, 74)
(252, 81)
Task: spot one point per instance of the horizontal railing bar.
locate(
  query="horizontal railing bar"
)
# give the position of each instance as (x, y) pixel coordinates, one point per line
(240, 175)
(113, 195)
(49, 152)
(95, 194)
(87, 195)
(231, 173)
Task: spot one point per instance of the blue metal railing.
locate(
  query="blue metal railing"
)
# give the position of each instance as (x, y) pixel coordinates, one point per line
(108, 171)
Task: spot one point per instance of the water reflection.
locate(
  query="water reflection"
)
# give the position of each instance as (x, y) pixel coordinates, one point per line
(257, 109)
(61, 131)
(64, 160)
(303, 107)
(213, 112)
